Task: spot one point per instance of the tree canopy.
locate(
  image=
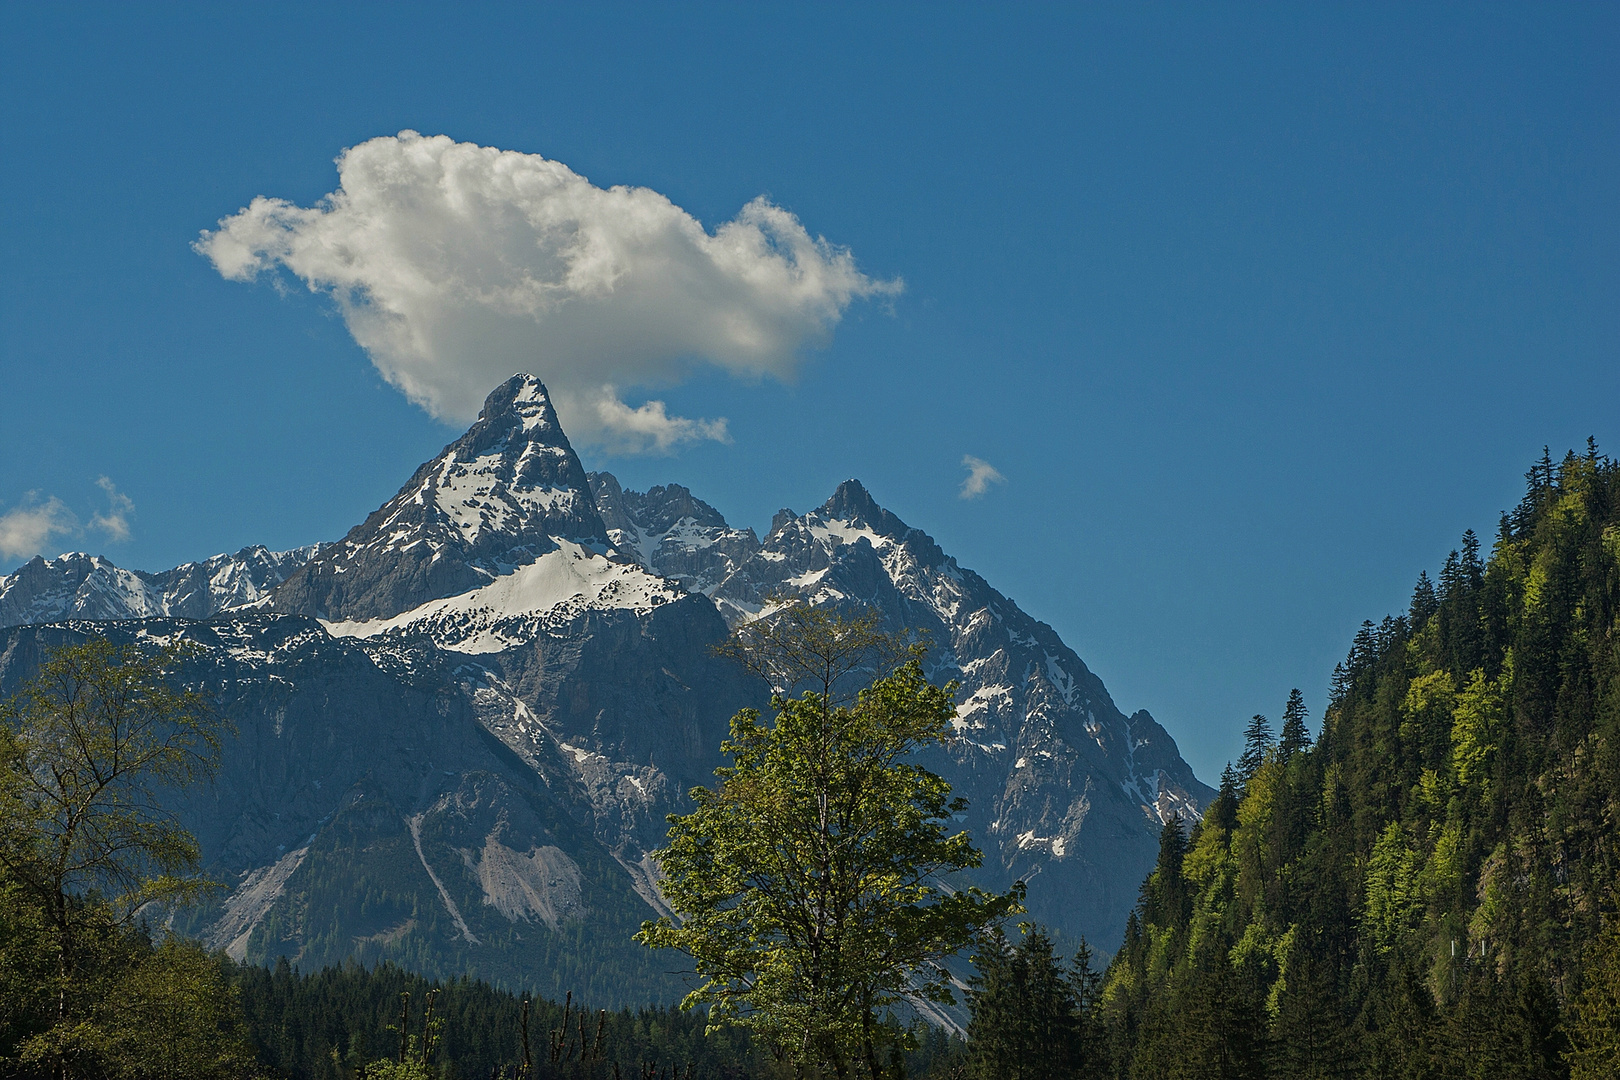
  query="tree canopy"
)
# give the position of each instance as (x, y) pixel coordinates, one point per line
(87, 748)
(811, 884)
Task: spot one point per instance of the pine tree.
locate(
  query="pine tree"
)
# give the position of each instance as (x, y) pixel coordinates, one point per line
(1026, 1015)
(1424, 603)
(1218, 1031)
(1594, 1021)
(1223, 811)
(1473, 571)
(1165, 900)
(1091, 1054)
(1312, 1041)
(1257, 744)
(1295, 735)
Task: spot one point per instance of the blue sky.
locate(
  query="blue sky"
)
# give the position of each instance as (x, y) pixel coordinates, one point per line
(1255, 309)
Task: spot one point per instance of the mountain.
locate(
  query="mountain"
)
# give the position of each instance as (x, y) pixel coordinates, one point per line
(460, 728)
(1064, 789)
(78, 586)
(672, 533)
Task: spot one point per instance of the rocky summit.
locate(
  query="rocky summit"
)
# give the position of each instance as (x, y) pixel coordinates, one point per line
(460, 728)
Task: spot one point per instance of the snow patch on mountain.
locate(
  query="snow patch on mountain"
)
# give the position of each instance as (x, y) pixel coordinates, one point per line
(555, 587)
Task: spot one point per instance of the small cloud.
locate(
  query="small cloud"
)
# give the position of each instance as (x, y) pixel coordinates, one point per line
(981, 474)
(26, 529)
(649, 427)
(115, 522)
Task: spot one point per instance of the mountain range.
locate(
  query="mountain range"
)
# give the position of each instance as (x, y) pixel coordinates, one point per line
(459, 728)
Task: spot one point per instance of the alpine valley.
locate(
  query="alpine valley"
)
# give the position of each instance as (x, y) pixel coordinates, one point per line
(459, 729)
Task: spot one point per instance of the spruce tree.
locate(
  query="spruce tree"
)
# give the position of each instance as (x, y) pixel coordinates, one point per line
(1594, 1015)
(1424, 603)
(1295, 735)
(1311, 1039)
(1223, 811)
(1257, 743)
(1165, 900)
(1026, 1021)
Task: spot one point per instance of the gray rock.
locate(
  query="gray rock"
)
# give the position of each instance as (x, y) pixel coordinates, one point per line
(672, 533)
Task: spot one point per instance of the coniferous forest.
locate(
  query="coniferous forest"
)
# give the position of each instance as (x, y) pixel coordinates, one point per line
(1429, 887)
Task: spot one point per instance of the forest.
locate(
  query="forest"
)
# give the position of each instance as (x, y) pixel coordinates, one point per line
(1428, 887)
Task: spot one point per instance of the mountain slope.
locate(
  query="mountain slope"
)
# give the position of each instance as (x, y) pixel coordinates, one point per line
(671, 532)
(502, 495)
(1065, 791)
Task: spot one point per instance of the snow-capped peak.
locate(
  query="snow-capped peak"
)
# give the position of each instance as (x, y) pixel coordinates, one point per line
(504, 494)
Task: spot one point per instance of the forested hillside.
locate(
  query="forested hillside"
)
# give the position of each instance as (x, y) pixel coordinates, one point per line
(1426, 891)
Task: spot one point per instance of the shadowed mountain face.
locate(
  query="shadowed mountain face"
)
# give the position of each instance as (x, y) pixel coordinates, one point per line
(461, 727)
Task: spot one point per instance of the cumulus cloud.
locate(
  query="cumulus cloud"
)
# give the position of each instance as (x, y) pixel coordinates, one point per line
(455, 265)
(120, 507)
(26, 529)
(981, 475)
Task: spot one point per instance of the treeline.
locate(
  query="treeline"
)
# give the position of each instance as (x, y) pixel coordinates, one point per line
(328, 1025)
(1430, 890)
(344, 1022)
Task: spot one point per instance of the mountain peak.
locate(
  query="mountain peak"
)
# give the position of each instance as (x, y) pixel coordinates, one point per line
(524, 395)
(501, 496)
(854, 504)
(516, 413)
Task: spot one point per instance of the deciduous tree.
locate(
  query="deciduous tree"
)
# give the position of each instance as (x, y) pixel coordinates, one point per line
(810, 883)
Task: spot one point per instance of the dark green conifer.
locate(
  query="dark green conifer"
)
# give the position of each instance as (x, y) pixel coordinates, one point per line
(1026, 1020)
(1223, 811)
(1295, 735)
(1257, 744)
(1424, 604)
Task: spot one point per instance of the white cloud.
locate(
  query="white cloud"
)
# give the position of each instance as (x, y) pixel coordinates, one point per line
(115, 522)
(649, 426)
(981, 474)
(26, 529)
(455, 265)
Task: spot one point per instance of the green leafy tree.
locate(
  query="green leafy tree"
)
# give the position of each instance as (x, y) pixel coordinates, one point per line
(808, 884)
(174, 1015)
(86, 748)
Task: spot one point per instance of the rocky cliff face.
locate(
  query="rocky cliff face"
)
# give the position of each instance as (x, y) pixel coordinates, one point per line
(672, 533)
(461, 727)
